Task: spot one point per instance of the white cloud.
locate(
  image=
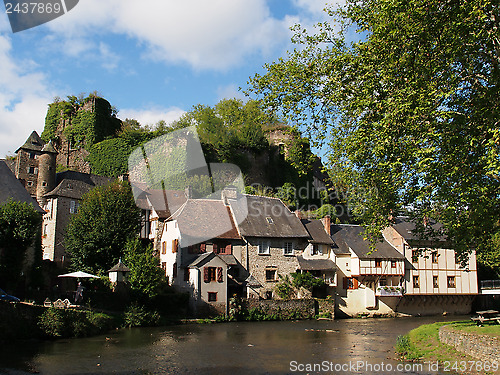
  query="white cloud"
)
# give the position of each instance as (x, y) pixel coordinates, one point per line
(23, 99)
(109, 59)
(230, 92)
(216, 34)
(152, 115)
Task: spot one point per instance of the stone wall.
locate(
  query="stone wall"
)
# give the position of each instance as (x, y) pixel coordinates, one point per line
(485, 348)
(289, 309)
(326, 306)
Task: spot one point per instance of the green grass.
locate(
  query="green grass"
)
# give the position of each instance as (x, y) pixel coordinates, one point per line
(423, 343)
(491, 329)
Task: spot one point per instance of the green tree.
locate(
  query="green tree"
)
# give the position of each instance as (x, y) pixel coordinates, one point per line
(107, 218)
(411, 109)
(145, 272)
(19, 226)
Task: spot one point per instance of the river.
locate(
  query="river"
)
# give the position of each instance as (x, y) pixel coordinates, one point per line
(352, 346)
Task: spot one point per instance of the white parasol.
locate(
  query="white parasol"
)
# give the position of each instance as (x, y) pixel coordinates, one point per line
(79, 274)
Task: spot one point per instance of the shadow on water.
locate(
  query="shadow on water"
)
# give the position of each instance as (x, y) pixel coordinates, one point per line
(226, 348)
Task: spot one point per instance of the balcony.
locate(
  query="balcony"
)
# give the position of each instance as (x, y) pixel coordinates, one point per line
(389, 291)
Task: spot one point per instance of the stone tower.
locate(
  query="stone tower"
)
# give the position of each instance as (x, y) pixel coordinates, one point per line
(26, 169)
(46, 173)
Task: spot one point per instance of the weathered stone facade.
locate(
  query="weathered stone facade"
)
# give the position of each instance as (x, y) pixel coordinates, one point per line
(484, 347)
(262, 266)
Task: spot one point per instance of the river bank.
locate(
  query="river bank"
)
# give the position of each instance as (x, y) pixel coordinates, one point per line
(424, 344)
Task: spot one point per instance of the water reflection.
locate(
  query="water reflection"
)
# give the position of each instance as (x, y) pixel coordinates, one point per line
(230, 348)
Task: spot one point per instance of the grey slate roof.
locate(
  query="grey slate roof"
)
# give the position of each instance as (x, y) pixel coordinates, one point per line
(200, 260)
(71, 184)
(33, 143)
(315, 264)
(317, 232)
(10, 187)
(119, 267)
(202, 219)
(11, 163)
(351, 236)
(267, 217)
(166, 202)
(406, 229)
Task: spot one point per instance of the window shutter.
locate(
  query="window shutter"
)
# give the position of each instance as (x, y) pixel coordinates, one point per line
(164, 247)
(175, 244)
(228, 249)
(216, 248)
(219, 275)
(354, 283)
(203, 247)
(174, 274)
(206, 274)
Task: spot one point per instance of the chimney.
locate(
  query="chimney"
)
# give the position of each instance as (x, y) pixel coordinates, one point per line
(228, 193)
(327, 223)
(189, 192)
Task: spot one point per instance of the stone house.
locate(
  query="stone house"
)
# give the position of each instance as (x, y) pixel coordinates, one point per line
(59, 194)
(272, 238)
(369, 280)
(434, 281)
(318, 256)
(200, 249)
(60, 204)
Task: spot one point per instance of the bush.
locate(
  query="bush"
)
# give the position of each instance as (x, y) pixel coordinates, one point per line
(71, 323)
(138, 316)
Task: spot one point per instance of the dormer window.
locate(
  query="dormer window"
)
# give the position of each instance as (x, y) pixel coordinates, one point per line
(269, 220)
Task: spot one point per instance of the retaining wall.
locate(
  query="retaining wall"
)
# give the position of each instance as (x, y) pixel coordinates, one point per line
(297, 308)
(486, 348)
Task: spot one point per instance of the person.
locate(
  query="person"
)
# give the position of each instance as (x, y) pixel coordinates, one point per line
(79, 293)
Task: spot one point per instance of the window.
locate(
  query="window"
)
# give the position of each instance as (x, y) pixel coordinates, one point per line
(212, 296)
(263, 247)
(378, 263)
(186, 274)
(451, 281)
(382, 282)
(270, 274)
(269, 220)
(45, 229)
(164, 266)
(288, 248)
(163, 247)
(393, 263)
(414, 256)
(316, 249)
(73, 207)
(175, 245)
(434, 257)
(213, 274)
(29, 183)
(31, 170)
(435, 282)
(416, 283)
(350, 283)
(269, 294)
(32, 155)
(174, 271)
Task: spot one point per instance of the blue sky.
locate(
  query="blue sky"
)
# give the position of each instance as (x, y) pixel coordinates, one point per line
(152, 59)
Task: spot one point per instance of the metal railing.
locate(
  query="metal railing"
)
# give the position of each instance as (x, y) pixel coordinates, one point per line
(490, 284)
